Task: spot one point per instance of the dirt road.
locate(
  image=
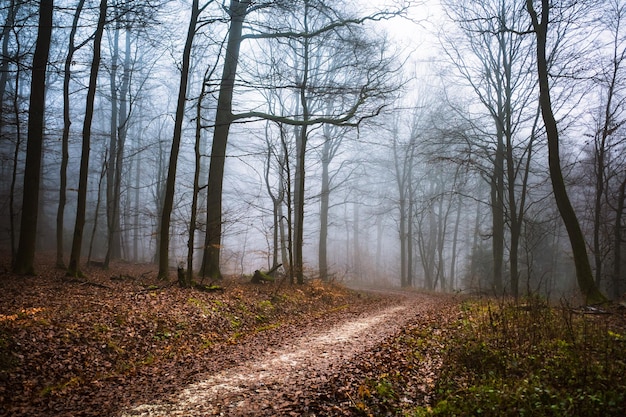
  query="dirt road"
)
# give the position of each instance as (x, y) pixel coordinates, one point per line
(254, 383)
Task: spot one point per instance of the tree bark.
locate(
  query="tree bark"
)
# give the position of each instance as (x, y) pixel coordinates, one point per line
(16, 154)
(455, 239)
(400, 168)
(25, 255)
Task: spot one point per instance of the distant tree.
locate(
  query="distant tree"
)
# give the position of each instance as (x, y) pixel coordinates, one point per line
(333, 138)
(404, 162)
(24, 259)
(130, 19)
(607, 156)
(5, 58)
(493, 58)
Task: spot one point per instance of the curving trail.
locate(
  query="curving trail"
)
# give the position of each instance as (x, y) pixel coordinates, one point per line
(252, 387)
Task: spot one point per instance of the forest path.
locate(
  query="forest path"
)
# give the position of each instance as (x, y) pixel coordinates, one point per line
(255, 386)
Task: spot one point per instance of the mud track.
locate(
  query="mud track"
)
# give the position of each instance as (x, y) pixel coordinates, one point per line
(250, 384)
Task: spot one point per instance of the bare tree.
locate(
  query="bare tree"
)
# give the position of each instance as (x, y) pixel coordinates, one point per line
(74, 264)
(9, 24)
(168, 198)
(404, 156)
(303, 91)
(497, 72)
(223, 119)
(332, 140)
(607, 135)
(540, 25)
(24, 258)
(72, 48)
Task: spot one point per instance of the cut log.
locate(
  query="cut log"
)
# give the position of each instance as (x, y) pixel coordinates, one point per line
(260, 276)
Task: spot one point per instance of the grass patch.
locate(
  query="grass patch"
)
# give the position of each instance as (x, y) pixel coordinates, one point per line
(530, 360)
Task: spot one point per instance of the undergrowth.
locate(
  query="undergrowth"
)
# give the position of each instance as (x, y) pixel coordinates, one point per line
(511, 359)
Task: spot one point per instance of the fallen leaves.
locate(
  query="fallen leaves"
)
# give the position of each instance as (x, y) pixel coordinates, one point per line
(71, 348)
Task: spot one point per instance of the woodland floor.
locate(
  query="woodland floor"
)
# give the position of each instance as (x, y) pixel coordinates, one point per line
(121, 343)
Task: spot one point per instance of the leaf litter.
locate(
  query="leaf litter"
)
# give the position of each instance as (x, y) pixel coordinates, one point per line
(122, 343)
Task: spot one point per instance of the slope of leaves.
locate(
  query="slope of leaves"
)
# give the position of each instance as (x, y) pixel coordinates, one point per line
(95, 346)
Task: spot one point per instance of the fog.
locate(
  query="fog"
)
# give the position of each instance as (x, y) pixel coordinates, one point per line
(393, 144)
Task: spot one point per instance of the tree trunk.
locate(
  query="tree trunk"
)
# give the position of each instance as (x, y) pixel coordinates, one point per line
(119, 125)
(299, 192)
(25, 255)
(137, 168)
(159, 195)
(584, 274)
(324, 203)
(77, 241)
(442, 230)
(286, 236)
(115, 247)
(223, 120)
(356, 241)
(379, 245)
(193, 216)
(408, 282)
(168, 200)
(16, 153)
(497, 212)
(111, 209)
(96, 212)
(617, 250)
(65, 136)
(455, 239)
(400, 168)
(277, 199)
(286, 239)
